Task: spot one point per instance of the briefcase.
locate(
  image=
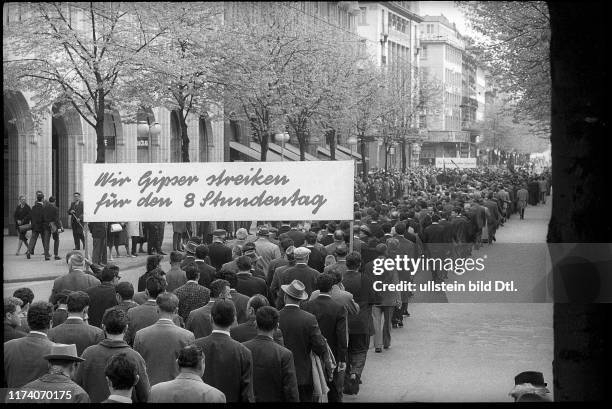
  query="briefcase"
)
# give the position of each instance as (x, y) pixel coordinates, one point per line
(115, 227)
(53, 227)
(25, 227)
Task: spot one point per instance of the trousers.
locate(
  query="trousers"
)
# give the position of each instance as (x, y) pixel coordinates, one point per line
(382, 325)
(336, 387)
(46, 237)
(98, 253)
(357, 352)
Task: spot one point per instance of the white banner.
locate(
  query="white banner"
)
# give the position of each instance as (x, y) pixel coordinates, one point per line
(218, 191)
(453, 163)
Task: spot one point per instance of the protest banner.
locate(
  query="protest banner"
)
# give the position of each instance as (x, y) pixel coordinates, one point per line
(452, 163)
(218, 191)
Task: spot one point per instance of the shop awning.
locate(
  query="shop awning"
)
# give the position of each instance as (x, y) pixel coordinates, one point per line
(347, 151)
(327, 153)
(287, 153)
(296, 151)
(270, 156)
(245, 150)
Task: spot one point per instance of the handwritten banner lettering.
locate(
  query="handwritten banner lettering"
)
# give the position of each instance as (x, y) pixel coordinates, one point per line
(218, 191)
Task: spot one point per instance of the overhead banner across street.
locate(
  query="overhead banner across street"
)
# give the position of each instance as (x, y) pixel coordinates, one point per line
(454, 163)
(218, 191)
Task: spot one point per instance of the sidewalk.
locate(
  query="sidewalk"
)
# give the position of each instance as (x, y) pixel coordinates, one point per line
(20, 269)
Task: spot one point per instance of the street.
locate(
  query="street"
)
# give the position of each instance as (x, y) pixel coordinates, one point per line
(459, 351)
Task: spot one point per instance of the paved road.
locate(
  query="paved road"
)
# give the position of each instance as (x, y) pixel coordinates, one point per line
(460, 351)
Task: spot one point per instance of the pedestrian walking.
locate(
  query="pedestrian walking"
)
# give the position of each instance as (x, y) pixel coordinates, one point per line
(22, 223)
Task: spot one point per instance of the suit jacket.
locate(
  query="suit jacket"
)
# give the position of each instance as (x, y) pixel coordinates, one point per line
(124, 305)
(302, 335)
(75, 280)
(51, 214)
(331, 317)
(360, 285)
(159, 345)
(257, 268)
(101, 298)
(342, 297)
(316, 259)
(274, 264)
(60, 315)
(339, 266)
(185, 388)
(434, 239)
(274, 378)
(229, 367)
(90, 374)
(308, 276)
(250, 285)
(219, 255)
(208, 274)
(38, 218)
(248, 330)
(78, 211)
(76, 331)
(191, 295)
(493, 215)
(175, 278)
(141, 317)
(23, 214)
(267, 250)
(23, 359)
(240, 302)
(56, 383)
(11, 332)
(199, 321)
(297, 236)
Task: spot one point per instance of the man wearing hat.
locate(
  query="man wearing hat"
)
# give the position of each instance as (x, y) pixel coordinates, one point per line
(316, 259)
(276, 297)
(56, 386)
(267, 250)
(529, 386)
(301, 271)
(75, 280)
(219, 253)
(190, 249)
(301, 335)
(340, 264)
(241, 239)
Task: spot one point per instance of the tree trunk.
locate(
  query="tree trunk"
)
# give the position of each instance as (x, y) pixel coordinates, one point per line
(364, 168)
(403, 155)
(301, 135)
(580, 163)
(101, 148)
(184, 138)
(264, 139)
(331, 139)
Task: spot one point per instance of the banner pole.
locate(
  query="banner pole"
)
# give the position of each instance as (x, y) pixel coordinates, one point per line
(351, 233)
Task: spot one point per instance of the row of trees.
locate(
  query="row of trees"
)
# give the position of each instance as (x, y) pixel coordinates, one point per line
(265, 63)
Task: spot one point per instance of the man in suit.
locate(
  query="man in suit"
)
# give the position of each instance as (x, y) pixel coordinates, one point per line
(316, 259)
(339, 295)
(328, 236)
(90, 374)
(295, 234)
(51, 213)
(248, 330)
(275, 292)
(301, 335)
(159, 344)
(176, 276)
(207, 272)
(434, 237)
(388, 300)
(340, 264)
(405, 248)
(23, 357)
(188, 386)
(40, 226)
(274, 378)
(267, 250)
(103, 296)
(75, 330)
(199, 320)
(124, 291)
(331, 317)
(76, 221)
(280, 261)
(121, 376)
(248, 284)
(301, 271)
(338, 240)
(240, 300)
(229, 365)
(493, 217)
(12, 318)
(147, 314)
(98, 234)
(191, 295)
(361, 286)
(75, 280)
(522, 196)
(57, 381)
(218, 251)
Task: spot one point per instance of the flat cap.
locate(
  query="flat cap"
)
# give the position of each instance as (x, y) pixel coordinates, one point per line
(301, 252)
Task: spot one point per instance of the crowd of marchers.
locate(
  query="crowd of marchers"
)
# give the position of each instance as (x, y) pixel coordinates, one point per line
(285, 314)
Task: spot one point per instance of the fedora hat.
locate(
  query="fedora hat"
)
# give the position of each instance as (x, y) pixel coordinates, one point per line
(532, 377)
(190, 247)
(219, 233)
(63, 352)
(296, 290)
(263, 231)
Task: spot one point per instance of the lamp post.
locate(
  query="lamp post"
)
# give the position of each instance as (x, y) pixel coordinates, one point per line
(145, 133)
(282, 138)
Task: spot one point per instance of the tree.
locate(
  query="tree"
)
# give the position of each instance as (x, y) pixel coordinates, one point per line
(75, 54)
(183, 72)
(514, 46)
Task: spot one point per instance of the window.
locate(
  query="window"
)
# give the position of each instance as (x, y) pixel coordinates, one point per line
(362, 19)
(424, 52)
(430, 28)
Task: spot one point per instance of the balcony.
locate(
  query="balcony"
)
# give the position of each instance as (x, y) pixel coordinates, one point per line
(428, 38)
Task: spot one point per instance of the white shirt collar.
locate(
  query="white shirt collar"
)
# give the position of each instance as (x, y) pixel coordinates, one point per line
(295, 305)
(324, 295)
(192, 281)
(166, 319)
(220, 331)
(119, 398)
(74, 317)
(37, 332)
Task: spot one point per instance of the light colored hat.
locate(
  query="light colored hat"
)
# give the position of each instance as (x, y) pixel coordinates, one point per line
(301, 252)
(64, 352)
(76, 260)
(296, 290)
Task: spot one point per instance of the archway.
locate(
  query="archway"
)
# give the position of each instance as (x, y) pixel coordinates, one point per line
(112, 132)
(18, 127)
(143, 142)
(175, 137)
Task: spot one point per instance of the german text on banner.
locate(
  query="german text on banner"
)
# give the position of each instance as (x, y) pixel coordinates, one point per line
(218, 191)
